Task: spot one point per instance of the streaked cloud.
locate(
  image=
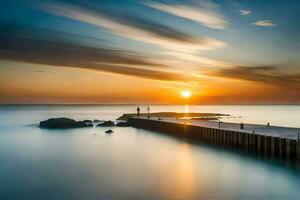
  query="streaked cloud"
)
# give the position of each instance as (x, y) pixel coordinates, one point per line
(142, 72)
(135, 28)
(245, 12)
(273, 75)
(198, 60)
(204, 16)
(39, 46)
(264, 23)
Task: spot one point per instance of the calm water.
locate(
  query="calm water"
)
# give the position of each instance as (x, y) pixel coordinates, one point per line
(134, 163)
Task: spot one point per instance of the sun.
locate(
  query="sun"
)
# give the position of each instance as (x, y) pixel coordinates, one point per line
(186, 94)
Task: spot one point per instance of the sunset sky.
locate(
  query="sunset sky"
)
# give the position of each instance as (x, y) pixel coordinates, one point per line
(149, 51)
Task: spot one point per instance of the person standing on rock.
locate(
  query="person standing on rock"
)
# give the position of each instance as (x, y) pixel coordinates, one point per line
(138, 111)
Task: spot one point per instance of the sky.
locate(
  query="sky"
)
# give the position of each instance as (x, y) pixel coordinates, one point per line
(148, 51)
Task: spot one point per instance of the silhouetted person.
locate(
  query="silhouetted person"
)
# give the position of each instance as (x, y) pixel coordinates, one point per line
(268, 124)
(138, 111)
(148, 110)
(242, 125)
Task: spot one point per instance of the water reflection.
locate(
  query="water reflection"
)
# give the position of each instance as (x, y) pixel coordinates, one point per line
(128, 164)
(179, 181)
(186, 108)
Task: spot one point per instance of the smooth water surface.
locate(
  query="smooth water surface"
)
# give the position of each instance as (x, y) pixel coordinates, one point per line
(134, 163)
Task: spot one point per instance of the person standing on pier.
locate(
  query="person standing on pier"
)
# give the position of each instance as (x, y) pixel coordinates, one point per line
(138, 111)
(148, 110)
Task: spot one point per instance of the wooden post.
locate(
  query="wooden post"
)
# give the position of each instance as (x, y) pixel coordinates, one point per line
(298, 150)
(214, 136)
(234, 135)
(265, 146)
(221, 137)
(280, 150)
(239, 140)
(211, 136)
(293, 149)
(254, 139)
(230, 138)
(287, 149)
(250, 142)
(246, 142)
(272, 147)
(259, 144)
(224, 137)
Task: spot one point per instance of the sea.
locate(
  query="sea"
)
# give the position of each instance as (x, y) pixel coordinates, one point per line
(130, 163)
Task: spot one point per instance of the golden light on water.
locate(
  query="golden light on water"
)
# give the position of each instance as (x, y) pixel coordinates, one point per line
(186, 108)
(186, 94)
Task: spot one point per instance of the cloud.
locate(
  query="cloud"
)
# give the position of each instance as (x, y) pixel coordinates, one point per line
(204, 16)
(264, 74)
(196, 59)
(39, 46)
(135, 28)
(264, 23)
(143, 73)
(245, 12)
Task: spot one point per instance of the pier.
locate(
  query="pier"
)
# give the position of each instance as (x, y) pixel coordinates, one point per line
(268, 141)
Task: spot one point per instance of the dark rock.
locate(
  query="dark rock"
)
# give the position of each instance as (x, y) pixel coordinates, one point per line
(109, 131)
(123, 124)
(97, 121)
(88, 121)
(63, 123)
(107, 123)
(82, 124)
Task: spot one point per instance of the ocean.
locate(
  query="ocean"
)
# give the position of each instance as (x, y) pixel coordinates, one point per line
(86, 163)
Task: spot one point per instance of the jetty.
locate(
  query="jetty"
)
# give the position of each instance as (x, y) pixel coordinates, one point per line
(265, 140)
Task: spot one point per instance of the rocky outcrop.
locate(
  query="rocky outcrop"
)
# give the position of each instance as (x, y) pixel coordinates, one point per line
(106, 123)
(63, 123)
(123, 124)
(109, 131)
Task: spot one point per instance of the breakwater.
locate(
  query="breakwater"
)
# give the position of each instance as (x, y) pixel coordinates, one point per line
(254, 143)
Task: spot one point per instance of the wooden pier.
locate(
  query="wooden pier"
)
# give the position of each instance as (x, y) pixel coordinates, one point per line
(251, 142)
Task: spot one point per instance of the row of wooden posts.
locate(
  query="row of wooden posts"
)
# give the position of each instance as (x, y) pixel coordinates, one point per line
(268, 146)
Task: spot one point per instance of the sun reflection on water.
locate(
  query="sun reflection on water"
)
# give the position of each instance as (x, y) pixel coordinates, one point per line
(180, 181)
(186, 108)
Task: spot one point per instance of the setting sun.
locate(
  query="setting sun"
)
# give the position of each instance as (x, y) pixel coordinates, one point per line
(186, 94)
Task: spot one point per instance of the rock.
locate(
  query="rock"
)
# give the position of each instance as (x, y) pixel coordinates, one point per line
(97, 121)
(82, 124)
(123, 124)
(106, 123)
(109, 131)
(88, 121)
(63, 123)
